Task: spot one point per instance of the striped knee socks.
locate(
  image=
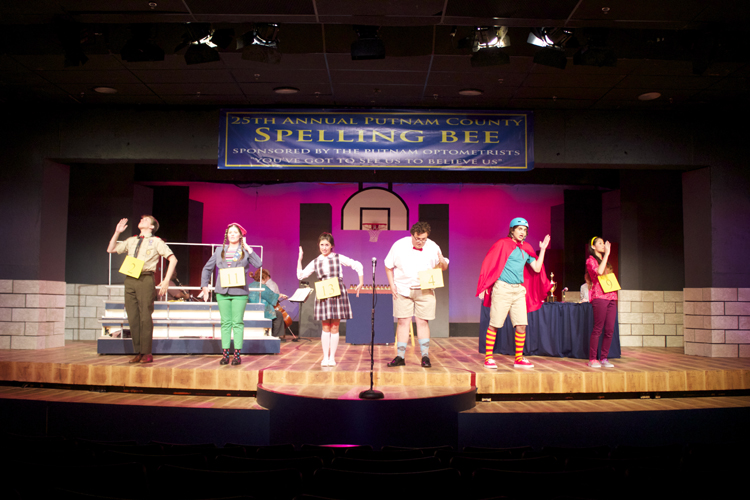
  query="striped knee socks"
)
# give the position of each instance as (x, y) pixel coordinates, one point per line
(520, 341)
(489, 344)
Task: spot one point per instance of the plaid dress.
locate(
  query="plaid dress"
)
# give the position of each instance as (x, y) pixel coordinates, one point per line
(334, 307)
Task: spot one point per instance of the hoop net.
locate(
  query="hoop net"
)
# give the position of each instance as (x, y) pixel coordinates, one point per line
(374, 230)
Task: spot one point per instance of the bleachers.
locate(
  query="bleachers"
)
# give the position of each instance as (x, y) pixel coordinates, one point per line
(185, 328)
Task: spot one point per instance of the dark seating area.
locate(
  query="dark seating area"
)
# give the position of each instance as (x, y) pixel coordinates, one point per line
(79, 468)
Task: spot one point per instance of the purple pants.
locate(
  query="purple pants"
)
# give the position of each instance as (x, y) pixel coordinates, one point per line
(605, 313)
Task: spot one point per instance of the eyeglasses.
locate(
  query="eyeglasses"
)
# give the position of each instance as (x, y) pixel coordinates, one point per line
(421, 240)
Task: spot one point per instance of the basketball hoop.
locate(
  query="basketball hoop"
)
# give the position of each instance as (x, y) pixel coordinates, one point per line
(374, 229)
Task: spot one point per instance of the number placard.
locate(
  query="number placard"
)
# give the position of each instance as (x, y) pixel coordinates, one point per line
(609, 283)
(327, 288)
(231, 277)
(132, 267)
(432, 278)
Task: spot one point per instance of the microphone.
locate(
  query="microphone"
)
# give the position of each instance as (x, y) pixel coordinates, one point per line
(374, 263)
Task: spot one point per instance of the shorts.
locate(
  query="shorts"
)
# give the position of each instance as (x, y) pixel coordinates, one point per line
(419, 303)
(505, 298)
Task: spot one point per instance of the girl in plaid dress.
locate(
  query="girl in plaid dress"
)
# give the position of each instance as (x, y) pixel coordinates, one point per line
(333, 309)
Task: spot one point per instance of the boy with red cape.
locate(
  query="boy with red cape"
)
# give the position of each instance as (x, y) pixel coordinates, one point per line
(513, 281)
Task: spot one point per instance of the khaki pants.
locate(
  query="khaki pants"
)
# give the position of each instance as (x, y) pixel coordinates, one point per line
(508, 298)
(419, 303)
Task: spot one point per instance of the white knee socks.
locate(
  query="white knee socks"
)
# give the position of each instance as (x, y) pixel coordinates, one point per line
(325, 341)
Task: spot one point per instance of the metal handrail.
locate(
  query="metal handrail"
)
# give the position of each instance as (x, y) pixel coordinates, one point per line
(161, 267)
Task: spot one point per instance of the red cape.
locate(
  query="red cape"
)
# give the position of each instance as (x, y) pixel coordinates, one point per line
(536, 284)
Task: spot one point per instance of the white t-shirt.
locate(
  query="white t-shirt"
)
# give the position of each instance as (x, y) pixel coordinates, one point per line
(407, 263)
(584, 293)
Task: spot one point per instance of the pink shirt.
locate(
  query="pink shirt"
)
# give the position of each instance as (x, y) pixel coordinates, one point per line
(596, 291)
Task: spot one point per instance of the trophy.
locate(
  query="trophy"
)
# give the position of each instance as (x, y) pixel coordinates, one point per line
(550, 294)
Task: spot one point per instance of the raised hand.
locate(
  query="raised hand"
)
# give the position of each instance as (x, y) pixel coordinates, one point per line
(543, 244)
(300, 254)
(122, 225)
(607, 247)
(245, 245)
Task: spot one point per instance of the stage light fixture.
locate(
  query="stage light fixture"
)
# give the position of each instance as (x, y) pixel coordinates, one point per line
(486, 46)
(261, 44)
(552, 41)
(197, 38)
(550, 37)
(369, 45)
(194, 33)
(490, 37)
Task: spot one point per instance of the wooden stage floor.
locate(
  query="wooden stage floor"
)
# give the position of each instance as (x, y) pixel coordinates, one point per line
(250, 403)
(456, 367)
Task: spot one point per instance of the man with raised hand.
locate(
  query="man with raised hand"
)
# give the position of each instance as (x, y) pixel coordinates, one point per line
(513, 281)
(139, 292)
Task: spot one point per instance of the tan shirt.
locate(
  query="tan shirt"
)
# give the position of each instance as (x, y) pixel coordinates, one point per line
(151, 248)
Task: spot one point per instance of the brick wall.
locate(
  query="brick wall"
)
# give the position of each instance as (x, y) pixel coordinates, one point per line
(650, 318)
(32, 314)
(84, 306)
(717, 322)
(647, 318)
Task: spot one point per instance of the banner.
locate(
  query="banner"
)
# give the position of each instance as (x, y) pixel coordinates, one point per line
(382, 139)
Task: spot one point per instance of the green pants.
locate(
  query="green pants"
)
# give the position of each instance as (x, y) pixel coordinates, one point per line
(232, 311)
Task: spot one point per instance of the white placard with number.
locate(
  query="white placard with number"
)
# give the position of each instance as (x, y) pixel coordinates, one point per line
(432, 278)
(327, 288)
(231, 277)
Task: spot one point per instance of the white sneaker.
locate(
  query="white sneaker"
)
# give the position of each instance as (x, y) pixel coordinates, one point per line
(594, 364)
(324, 362)
(331, 362)
(490, 363)
(606, 364)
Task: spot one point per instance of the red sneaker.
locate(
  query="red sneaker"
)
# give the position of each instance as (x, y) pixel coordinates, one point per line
(523, 363)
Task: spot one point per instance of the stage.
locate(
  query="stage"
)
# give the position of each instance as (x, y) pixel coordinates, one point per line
(284, 398)
(455, 364)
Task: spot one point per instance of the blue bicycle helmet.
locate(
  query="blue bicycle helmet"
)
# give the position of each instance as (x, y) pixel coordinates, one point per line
(519, 221)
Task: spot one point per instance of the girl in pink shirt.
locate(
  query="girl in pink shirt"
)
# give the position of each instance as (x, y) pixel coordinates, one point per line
(604, 304)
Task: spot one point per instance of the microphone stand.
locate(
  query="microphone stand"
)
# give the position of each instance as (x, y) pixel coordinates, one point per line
(372, 393)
